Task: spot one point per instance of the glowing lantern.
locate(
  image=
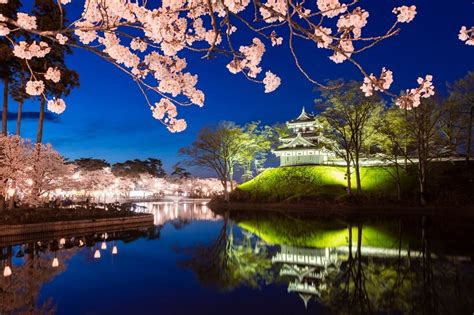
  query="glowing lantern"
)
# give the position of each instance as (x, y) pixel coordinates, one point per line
(104, 245)
(81, 243)
(7, 271)
(55, 262)
(97, 253)
(114, 250)
(62, 241)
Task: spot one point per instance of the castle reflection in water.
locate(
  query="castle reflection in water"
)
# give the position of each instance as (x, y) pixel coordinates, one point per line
(342, 266)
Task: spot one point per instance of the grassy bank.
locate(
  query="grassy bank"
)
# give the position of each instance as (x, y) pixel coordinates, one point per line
(451, 183)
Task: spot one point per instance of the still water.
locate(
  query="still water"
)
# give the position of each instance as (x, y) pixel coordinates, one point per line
(196, 262)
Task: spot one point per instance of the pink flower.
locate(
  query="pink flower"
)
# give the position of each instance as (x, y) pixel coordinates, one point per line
(405, 14)
(56, 105)
(25, 21)
(34, 88)
(271, 82)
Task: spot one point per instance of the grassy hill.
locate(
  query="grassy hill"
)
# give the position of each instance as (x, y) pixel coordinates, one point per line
(317, 182)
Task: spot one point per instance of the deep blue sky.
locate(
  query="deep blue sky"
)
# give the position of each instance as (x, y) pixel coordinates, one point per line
(108, 118)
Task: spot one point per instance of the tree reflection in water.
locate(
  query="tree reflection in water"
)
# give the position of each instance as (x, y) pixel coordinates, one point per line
(32, 266)
(229, 263)
(379, 267)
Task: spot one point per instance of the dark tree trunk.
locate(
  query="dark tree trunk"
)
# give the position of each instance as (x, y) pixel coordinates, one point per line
(5, 106)
(349, 182)
(39, 134)
(18, 118)
(469, 135)
(357, 171)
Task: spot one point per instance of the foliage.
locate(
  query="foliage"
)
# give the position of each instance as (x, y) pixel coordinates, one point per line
(134, 168)
(90, 164)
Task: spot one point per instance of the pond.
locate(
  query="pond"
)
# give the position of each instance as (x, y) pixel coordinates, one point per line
(195, 261)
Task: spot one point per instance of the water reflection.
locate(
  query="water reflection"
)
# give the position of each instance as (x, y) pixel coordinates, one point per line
(27, 267)
(183, 212)
(403, 266)
(301, 264)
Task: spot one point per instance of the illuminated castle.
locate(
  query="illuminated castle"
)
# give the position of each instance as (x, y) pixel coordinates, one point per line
(306, 143)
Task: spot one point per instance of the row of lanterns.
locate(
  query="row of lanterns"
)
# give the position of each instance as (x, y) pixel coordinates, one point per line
(7, 270)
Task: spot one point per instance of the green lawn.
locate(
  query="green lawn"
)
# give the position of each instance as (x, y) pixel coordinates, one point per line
(318, 182)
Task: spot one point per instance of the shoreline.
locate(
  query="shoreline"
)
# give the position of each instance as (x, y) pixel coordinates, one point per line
(39, 223)
(341, 209)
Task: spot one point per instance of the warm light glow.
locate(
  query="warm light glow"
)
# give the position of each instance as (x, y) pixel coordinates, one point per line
(81, 243)
(104, 245)
(114, 250)
(97, 254)
(62, 241)
(7, 271)
(55, 263)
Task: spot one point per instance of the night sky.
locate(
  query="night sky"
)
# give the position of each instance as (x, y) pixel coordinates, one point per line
(108, 118)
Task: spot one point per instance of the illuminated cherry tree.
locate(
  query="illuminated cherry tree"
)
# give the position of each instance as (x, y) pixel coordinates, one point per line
(148, 42)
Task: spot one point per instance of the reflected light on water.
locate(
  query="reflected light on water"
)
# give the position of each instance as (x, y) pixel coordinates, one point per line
(169, 211)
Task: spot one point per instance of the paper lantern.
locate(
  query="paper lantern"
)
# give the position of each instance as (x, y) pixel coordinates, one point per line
(97, 253)
(7, 271)
(55, 263)
(114, 250)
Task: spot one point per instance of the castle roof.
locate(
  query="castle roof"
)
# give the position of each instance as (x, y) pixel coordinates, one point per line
(303, 117)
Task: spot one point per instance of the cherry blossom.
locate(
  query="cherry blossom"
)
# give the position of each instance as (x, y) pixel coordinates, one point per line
(23, 50)
(35, 88)
(405, 14)
(26, 22)
(331, 8)
(53, 74)
(412, 97)
(56, 105)
(271, 82)
(278, 6)
(323, 37)
(164, 107)
(467, 35)
(371, 83)
(345, 50)
(176, 125)
(146, 41)
(353, 22)
(61, 38)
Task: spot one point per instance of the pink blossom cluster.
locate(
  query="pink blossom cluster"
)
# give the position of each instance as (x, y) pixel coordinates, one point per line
(4, 30)
(146, 41)
(331, 8)
(353, 22)
(35, 88)
(323, 37)
(56, 105)
(405, 14)
(23, 50)
(53, 74)
(164, 107)
(271, 82)
(252, 56)
(270, 7)
(412, 98)
(26, 22)
(61, 38)
(29, 172)
(467, 35)
(371, 83)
